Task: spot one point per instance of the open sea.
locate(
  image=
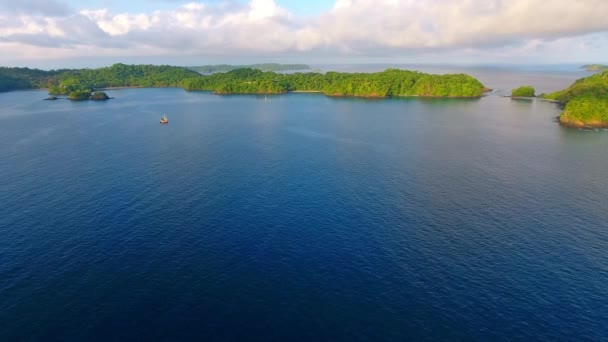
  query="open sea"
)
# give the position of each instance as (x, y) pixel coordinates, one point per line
(302, 217)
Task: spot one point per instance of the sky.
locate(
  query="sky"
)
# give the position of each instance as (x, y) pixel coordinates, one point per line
(69, 33)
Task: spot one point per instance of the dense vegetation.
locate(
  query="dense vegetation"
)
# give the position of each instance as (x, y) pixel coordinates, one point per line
(586, 101)
(79, 95)
(523, 91)
(84, 94)
(119, 75)
(77, 83)
(586, 111)
(391, 82)
(25, 78)
(595, 67)
(592, 86)
(66, 81)
(210, 69)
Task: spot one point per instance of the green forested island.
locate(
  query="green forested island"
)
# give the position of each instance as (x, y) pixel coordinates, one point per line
(523, 91)
(391, 82)
(585, 102)
(83, 94)
(210, 69)
(595, 67)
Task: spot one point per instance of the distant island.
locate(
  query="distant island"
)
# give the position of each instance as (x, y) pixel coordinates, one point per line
(80, 83)
(585, 102)
(595, 67)
(210, 69)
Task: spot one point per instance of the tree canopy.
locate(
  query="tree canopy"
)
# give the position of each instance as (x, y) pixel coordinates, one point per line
(25, 78)
(523, 91)
(65, 81)
(391, 82)
(585, 101)
(120, 75)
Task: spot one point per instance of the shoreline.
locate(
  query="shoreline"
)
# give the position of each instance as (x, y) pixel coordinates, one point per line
(347, 96)
(135, 87)
(532, 98)
(576, 124)
(581, 124)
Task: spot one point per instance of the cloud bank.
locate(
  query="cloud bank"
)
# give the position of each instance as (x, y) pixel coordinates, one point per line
(368, 28)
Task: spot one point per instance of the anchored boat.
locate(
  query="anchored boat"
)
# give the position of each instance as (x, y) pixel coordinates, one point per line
(164, 120)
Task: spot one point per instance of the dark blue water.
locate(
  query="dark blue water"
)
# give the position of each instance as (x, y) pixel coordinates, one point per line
(299, 218)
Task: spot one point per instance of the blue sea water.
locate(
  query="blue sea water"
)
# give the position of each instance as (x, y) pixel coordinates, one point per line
(300, 217)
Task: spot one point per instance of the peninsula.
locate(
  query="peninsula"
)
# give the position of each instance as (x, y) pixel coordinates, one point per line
(585, 102)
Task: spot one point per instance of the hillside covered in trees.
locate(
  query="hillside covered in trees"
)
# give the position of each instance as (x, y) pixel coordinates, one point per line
(585, 102)
(26, 78)
(65, 81)
(391, 82)
(120, 75)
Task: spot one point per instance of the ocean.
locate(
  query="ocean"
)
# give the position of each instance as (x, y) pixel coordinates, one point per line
(302, 217)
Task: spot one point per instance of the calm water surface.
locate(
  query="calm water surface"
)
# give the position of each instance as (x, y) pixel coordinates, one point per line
(299, 218)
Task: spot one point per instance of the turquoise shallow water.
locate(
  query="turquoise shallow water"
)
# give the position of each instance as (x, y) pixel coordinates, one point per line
(299, 218)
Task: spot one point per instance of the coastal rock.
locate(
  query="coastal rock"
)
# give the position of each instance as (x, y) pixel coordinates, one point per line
(99, 96)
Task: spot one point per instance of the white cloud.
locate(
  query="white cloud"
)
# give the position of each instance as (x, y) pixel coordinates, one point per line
(261, 27)
(264, 9)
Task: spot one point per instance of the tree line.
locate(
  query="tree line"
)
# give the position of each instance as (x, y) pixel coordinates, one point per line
(65, 81)
(391, 82)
